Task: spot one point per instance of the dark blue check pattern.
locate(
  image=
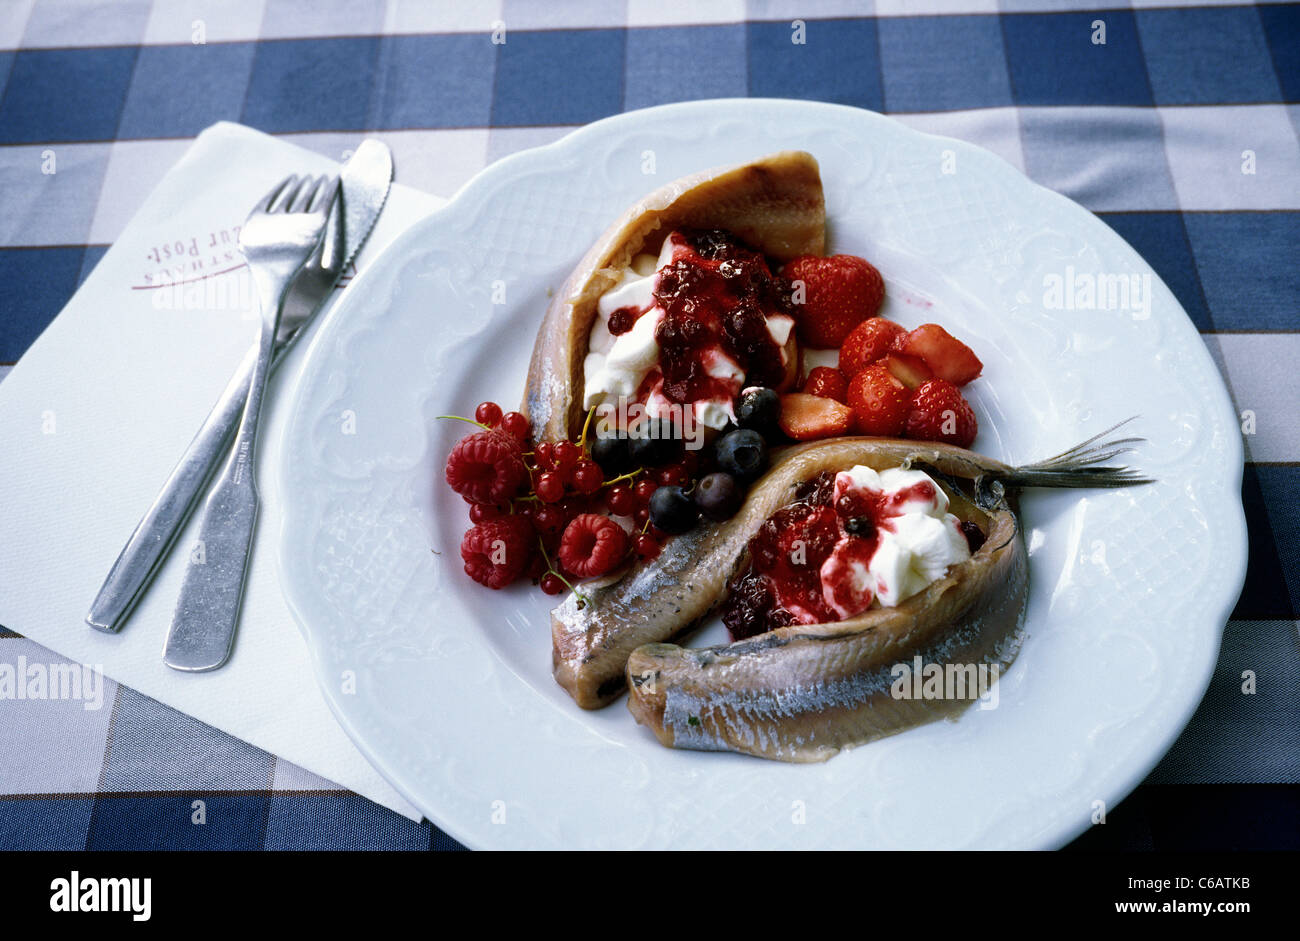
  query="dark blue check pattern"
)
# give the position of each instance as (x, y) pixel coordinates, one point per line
(1231, 777)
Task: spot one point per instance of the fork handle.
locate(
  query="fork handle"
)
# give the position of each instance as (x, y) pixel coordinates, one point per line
(154, 535)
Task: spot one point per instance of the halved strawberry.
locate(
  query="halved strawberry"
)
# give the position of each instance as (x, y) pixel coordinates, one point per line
(911, 371)
(807, 417)
(827, 382)
(948, 358)
(879, 402)
(869, 341)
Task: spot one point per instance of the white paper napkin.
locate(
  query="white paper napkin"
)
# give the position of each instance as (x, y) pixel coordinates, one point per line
(95, 415)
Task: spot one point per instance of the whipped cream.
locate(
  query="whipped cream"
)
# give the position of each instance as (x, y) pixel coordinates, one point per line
(917, 539)
(617, 366)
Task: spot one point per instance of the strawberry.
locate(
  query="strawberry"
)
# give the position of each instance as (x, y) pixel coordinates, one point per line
(879, 402)
(592, 545)
(827, 382)
(939, 412)
(869, 341)
(487, 467)
(947, 357)
(498, 551)
(911, 371)
(840, 292)
(806, 417)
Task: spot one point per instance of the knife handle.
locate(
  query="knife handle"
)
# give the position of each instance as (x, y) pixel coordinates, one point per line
(139, 559)
(207, 611)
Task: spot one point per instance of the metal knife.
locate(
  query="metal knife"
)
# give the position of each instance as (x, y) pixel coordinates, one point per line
(364, 184)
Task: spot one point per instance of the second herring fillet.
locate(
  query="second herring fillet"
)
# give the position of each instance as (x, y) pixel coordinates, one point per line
(663, 599)
(804, 692)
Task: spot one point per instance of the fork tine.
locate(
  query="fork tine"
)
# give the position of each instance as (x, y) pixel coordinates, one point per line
(307, 197)
(323, 197)
(269, 199)
(301, 195)
(284, 202)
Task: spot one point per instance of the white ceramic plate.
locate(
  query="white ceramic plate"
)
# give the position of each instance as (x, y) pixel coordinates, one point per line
(446, 686)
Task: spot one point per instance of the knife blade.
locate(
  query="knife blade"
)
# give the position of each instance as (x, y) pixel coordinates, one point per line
(365, 181)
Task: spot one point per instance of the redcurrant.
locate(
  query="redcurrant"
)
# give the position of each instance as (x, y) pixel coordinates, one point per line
(514, 424)
(622, 501)
(488, 413)
(478, 512)
(587, 476)
(550, 487)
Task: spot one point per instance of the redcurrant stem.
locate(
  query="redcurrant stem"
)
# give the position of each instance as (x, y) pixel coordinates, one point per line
(582, 441)
(470, 420)
(551, 570)
(628, 476)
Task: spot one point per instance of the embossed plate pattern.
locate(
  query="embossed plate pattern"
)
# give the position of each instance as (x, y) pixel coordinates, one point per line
(446, 686)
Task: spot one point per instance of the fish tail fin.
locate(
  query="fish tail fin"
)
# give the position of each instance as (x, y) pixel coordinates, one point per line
(1082, 465)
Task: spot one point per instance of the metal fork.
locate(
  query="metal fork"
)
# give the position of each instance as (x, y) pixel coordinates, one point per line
(279, 236)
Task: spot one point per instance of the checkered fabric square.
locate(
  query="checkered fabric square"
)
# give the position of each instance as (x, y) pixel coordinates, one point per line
(1143, 112)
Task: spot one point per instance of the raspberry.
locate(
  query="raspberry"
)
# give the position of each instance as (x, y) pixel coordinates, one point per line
(498, 551)
(939, 412)
(592, 545)
(486, 467)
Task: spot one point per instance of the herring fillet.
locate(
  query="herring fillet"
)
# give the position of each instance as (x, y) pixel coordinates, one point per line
(663, 599)
(804, 692)
(775, 204)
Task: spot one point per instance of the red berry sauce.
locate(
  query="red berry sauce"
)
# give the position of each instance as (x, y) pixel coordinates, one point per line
(783, 584)
(878, 509)
(717, 292)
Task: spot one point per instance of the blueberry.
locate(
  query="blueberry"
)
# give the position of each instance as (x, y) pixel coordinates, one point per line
(718, 496)
(759, 410)
(742, 454)
(860, 526)
(672, 510)
(653, 444)
(612, 454)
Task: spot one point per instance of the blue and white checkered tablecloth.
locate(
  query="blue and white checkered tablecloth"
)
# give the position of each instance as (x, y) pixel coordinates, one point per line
(1179, 130)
